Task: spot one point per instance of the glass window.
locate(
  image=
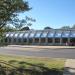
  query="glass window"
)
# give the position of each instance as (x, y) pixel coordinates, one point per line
(16, 35)
(25, 40)
(7, 35)
(72, 40)
(64, 40)
(31, 34)
(44, 34)
(30, 40)
(58, 34)
(9, 40)
(11, 35)
(43, 40)
(38, 34)
(65, 34)
(6, 39)
(14, 40)
(21, 35)
(50, 34)
(26, 35)
(57, 40)
(50, 40)
(72, 34)
(36, 40)
(19, 40)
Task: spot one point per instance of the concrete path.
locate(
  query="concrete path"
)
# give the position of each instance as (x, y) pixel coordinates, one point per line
(50, 47)
(69, 67)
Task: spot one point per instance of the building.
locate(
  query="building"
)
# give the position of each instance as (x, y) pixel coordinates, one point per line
(41, 37)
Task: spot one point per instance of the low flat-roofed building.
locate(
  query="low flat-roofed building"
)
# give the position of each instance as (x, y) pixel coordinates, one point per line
(41, 37)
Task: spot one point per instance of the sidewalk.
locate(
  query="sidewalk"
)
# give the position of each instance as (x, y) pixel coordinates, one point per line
(69, 67)
(50, 47)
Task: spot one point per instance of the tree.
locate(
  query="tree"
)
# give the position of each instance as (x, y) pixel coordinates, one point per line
(65, 27)
(2, 37)
(73, 27)
(23, 24)
(8, 28)
(10, 8)
(47, 28)
(25, 28)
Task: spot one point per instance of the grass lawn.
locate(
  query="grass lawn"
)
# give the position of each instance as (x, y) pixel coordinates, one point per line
(32, 65)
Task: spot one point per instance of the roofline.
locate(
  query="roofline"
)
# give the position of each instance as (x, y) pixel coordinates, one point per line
(45, 30)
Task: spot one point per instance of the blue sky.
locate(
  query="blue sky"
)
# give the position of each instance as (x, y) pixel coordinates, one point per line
(53, 13)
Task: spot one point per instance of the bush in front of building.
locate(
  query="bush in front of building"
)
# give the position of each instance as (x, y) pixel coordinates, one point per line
(2, 38)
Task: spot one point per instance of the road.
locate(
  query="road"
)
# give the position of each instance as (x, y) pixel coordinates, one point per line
(39, 52)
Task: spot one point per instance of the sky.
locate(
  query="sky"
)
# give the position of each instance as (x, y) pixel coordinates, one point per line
(52, 13)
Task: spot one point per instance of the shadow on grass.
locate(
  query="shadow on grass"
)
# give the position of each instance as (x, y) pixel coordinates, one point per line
(32, 69)
(68, 70)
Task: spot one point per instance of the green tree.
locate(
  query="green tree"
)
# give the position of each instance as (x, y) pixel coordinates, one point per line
(46, 28)
(23, 24)
(8, 28)
(65, 27)
(25, 28)
(73, 27)
(10, 8)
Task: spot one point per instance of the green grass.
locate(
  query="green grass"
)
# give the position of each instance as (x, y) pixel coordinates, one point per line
(51, 63)
(42, 64)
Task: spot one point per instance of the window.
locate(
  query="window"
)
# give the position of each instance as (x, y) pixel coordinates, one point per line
(58, 34)
(36, 40)
(11, 35)
(44, 34)
(30, 40)
(6, 39)
(14, 40)
(21, 35)
(72, 40)
(72, 35)
(38, 34)
(43, 40)
(16, 35)
(9, 40)
(19, 40)
(65, 34)
(26, 35)
(50, 34)
(50, 40)
(24, 40)
(57, 40)
(64, 40)
(31, 34)
(7, 35)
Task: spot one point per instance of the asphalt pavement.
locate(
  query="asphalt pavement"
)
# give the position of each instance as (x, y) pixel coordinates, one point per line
(68, 53)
